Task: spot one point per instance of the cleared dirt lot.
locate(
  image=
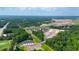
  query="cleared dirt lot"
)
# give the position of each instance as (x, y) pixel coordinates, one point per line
(51, 33)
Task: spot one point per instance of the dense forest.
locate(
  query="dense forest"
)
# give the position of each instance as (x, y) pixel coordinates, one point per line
(66, 41)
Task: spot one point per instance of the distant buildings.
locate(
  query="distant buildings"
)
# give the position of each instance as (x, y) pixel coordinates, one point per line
(61, 22)
(34, 46)
(30, 45)
(8, 35)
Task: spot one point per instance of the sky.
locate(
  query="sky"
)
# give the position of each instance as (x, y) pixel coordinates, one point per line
(40, 11)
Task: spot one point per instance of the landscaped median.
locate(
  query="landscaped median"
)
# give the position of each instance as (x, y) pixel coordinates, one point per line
(35, 39)
(46, 47)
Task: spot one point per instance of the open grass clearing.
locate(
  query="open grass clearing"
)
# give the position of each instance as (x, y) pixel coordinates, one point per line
(5, 44)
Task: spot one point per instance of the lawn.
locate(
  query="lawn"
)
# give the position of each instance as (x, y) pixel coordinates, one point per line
(5, 45)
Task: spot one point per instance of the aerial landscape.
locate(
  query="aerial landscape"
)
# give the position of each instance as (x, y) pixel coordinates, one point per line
(39, 29)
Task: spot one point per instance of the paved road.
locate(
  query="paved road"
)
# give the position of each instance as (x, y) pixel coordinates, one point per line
(30, 32)
(2, 29)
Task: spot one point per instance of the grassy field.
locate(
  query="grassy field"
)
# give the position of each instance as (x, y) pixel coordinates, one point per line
(5, 45)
